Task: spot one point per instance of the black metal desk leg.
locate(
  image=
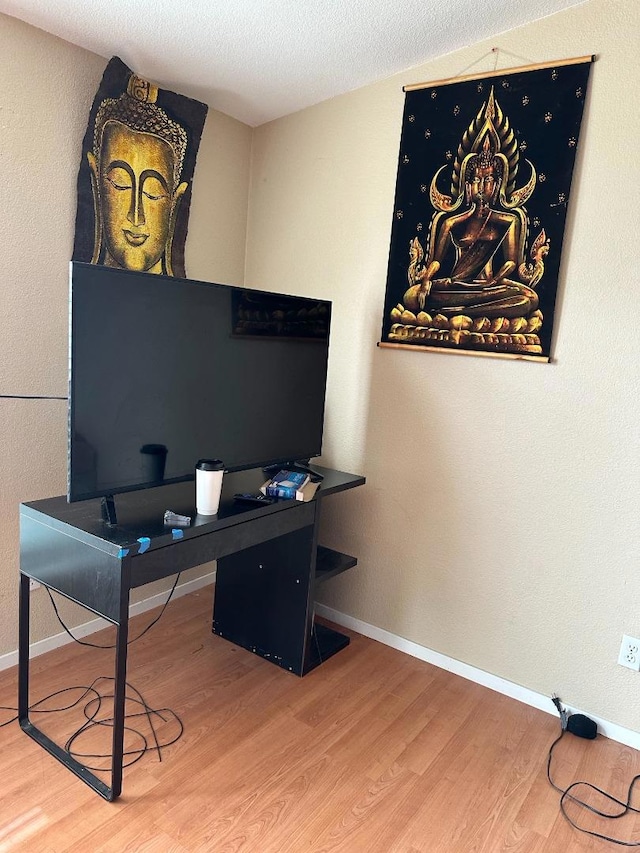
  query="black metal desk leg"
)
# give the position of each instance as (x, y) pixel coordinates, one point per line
(23, 649)
(119, 697)
(82, 772)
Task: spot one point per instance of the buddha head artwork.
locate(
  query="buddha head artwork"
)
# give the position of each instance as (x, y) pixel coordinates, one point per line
(480, 210)
(134, 183)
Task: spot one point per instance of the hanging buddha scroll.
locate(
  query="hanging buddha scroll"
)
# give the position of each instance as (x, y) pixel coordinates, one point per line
(484, 179)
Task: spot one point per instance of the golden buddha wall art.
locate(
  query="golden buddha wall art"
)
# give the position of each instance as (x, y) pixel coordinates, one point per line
(484, 179)
(136, 173)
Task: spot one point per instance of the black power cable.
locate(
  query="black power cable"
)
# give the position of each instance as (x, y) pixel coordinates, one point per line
(582, 726)
(112, 646)
(29, 397)
(94, 702)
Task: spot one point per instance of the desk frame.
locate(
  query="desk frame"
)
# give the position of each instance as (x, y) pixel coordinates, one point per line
(69, 548)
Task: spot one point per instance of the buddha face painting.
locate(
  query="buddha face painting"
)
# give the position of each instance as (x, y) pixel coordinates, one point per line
(135, 176)
(134, 180)
(136, 162)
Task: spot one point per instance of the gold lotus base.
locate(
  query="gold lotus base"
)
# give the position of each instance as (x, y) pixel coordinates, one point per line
(465, 339)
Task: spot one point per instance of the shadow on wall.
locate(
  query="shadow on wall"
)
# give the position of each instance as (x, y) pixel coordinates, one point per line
(429, 526)
(405, 525)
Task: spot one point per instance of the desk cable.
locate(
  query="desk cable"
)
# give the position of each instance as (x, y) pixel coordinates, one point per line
(584, 727)
(93, 699)
(112, 646)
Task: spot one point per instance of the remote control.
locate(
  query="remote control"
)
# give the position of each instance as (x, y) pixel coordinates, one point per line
(258, 498)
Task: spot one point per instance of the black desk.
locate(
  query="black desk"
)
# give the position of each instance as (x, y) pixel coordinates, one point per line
(269, 563)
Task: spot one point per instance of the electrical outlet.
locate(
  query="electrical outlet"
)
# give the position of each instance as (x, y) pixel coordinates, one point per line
(33, 584)
(630, 653)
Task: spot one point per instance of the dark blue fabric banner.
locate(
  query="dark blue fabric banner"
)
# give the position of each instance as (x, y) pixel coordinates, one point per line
(484, 181)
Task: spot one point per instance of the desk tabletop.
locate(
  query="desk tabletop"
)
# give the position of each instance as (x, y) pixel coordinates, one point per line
(141, 513)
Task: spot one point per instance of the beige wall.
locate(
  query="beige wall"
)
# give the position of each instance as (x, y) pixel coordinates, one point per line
(499, 524)
(46, 90)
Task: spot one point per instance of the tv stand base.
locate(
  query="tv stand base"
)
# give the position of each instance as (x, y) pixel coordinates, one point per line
(108, 511)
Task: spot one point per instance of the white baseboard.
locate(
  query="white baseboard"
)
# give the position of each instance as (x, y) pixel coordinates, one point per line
(493, 682)
(41, 646)
(628, 737)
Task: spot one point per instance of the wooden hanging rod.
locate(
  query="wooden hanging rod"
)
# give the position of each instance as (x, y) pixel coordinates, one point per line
(515, 356)
(501, 72)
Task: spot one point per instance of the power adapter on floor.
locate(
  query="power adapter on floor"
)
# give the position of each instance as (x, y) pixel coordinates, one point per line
(577, 724)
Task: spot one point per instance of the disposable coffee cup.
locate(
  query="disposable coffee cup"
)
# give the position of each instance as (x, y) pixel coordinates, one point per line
(208, 485)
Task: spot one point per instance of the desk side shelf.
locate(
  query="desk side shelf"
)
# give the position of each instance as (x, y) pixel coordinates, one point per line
(330, 563)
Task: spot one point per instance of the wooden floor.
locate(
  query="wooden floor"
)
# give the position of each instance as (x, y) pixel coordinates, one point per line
(374, 751)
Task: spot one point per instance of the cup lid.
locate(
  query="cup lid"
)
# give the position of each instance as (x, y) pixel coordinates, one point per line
(210, 465)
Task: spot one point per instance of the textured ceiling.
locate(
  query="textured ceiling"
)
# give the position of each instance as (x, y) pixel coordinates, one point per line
(257, 60)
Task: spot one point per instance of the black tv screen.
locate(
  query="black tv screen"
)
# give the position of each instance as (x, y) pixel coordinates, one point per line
(166, 371)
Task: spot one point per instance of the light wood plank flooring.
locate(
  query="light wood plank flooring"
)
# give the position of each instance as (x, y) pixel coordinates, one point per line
(373, 752)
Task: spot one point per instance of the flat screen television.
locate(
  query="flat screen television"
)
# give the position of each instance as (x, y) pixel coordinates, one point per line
(167, 371)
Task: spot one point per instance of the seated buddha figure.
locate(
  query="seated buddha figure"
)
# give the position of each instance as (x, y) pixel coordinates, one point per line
(136, 163)
(478, 250)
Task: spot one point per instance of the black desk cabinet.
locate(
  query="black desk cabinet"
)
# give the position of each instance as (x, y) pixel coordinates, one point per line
(269, 563)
